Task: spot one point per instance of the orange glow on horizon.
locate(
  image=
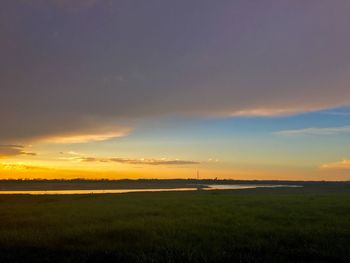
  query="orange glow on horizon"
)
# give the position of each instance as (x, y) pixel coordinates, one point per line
(22, 170)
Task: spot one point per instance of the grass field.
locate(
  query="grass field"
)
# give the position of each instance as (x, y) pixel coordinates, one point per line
(310, 224)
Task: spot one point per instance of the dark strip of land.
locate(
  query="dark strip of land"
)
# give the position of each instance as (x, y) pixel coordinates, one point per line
(82, 184)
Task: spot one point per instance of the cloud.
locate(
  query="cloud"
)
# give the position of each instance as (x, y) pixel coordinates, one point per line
(344, 112)
(65, 130)
(152, 161)
(86, 137)
(269, 112)
(119, 63)
(315, 131)
(13, 150)
(163, 161)
(342, 165)
(19, 166)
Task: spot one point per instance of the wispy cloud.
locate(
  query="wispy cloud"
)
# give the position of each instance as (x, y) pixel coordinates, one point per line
(338, 113)
(88, 136)
(20, 166)
(270, 112)
(315, 131)
(150, 161)
(10, 150)
(342, 165)
(153, 161)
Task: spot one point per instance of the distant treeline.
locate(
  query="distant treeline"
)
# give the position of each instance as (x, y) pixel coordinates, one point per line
(172, 181)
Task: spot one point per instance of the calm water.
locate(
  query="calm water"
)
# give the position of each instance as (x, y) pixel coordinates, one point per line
(121, 191)
(99, 191)
(243, 186)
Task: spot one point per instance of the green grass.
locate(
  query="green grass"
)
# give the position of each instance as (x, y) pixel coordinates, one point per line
(262, 225)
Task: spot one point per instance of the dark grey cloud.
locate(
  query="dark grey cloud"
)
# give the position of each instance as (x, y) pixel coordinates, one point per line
(13, 150)
(113, 63)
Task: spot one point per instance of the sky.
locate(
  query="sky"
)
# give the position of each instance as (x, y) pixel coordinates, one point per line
(160, 89)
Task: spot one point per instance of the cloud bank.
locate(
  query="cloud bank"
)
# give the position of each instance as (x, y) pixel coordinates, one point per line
(117, 62)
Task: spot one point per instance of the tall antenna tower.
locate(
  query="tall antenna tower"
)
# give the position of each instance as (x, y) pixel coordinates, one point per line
(197, 174)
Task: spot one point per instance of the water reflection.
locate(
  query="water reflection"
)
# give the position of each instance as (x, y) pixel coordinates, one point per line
(121, 191)
(108, 191)
(245, 186)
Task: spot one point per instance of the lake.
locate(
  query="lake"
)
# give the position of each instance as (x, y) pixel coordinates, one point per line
(121, 191)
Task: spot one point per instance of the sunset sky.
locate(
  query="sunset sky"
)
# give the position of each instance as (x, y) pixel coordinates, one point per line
(160, 89)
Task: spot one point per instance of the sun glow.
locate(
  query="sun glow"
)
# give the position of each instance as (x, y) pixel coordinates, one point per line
(16, 166)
